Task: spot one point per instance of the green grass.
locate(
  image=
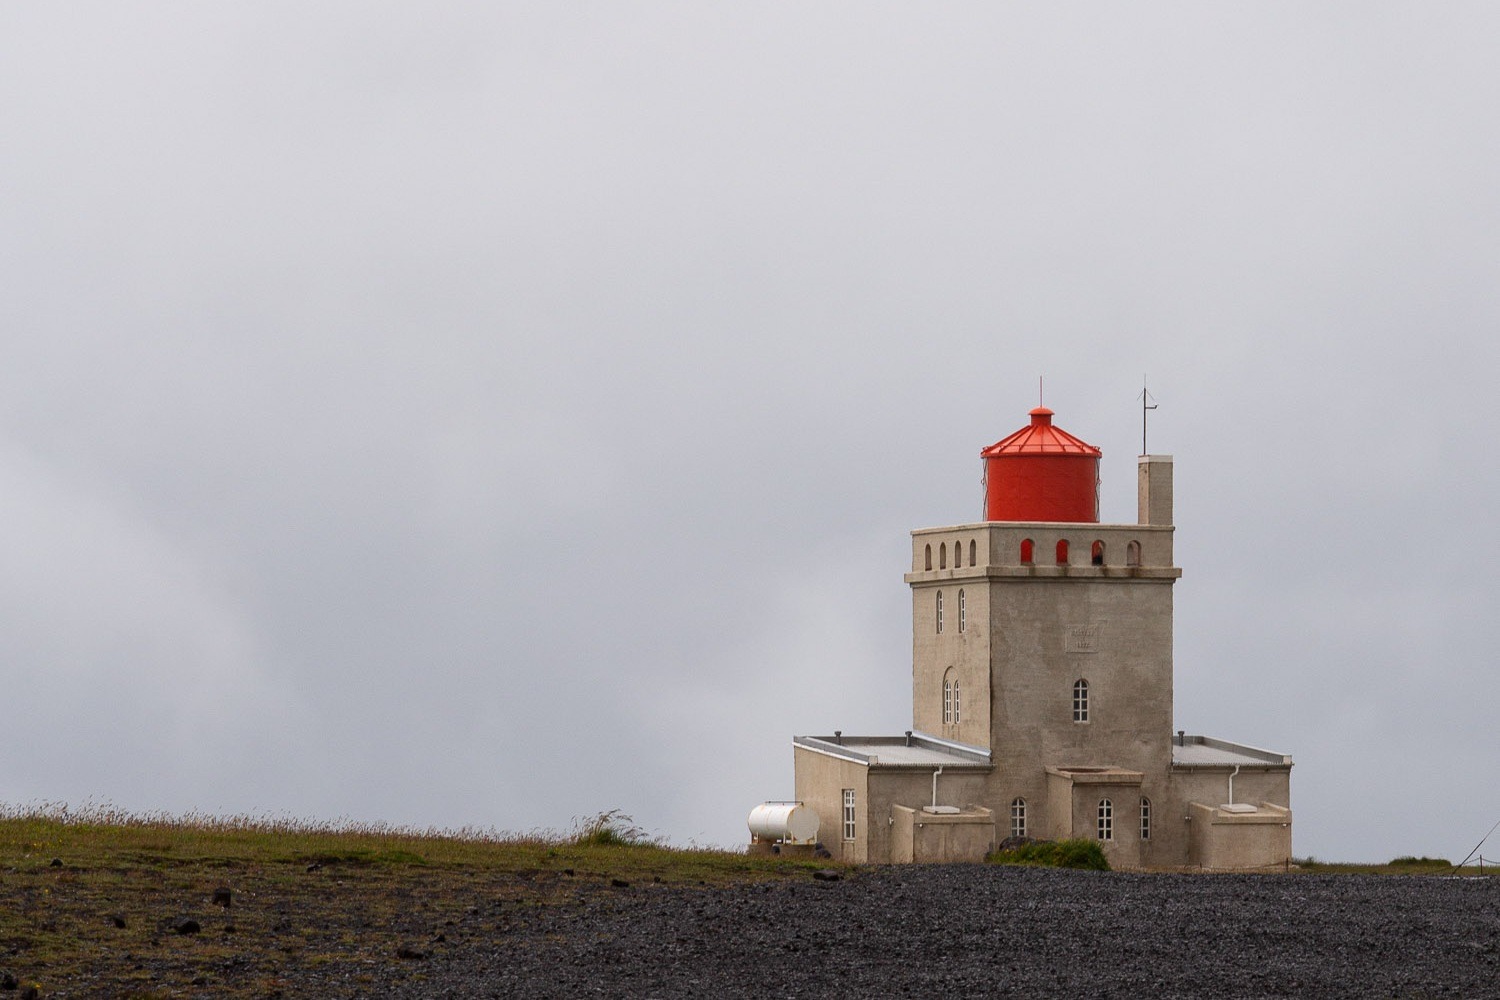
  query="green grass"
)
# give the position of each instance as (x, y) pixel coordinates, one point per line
(1078, 853)
(305, 894)
(1405, 865)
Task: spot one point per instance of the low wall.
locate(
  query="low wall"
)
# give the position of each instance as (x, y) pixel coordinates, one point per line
(1219, 839)
(918, 836)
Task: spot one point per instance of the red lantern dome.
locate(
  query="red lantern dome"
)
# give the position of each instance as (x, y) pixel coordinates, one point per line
(1041, 473)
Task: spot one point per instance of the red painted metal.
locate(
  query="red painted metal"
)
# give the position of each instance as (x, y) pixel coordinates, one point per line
(1041, 473)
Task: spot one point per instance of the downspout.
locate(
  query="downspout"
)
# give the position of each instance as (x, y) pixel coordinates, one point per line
(1231, 783)
(934, 786)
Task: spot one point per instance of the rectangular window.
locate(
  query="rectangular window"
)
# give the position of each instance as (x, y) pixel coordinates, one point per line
(848, 814)
(1106, 820)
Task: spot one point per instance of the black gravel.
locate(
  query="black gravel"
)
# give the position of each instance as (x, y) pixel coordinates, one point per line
(962, 929)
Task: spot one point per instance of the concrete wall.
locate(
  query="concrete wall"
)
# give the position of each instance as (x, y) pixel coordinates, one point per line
(891, 787)
(1073, 810)
(1045, 626)
(1227, 840)
(964, 650)
(821, 780)
(927, 838)
(1154, 489)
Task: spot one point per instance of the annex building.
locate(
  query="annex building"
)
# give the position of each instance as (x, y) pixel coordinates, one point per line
(1042, 691)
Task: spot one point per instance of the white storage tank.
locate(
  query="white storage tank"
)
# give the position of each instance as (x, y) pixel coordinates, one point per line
(787, 822)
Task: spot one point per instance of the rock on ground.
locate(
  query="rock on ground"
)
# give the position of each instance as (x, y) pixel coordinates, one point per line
(973, 929)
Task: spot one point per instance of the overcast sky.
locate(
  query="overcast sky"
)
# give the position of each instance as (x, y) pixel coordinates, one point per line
(452, 414)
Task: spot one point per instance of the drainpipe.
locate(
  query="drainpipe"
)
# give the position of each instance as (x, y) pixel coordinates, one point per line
(934, 786)
(1231, 783)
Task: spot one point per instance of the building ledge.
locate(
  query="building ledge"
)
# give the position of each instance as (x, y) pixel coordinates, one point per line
(1107, 774)
(915, 751)
(1206, 753)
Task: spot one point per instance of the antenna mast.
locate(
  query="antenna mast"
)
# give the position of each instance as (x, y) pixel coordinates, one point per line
(1148, 402)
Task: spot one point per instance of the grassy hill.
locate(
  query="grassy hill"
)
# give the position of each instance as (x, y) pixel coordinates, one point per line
(101, 903)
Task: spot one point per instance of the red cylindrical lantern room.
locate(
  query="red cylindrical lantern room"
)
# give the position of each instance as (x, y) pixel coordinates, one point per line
(1041, 473)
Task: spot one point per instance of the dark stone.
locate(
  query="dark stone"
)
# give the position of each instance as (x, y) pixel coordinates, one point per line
(827, 875)
(820, 852)
(187, 925)
(229, 928)
(408, 952)
(200, 980)
(9, 982)
(31, 992)
(57, 862)
(619, 883)
(567, 871)
(1011, 843)
(314, 867)
(117, 920)
(223, 896)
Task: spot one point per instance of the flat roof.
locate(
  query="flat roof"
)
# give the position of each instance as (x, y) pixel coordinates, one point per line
(914, 750)
(1205, 751)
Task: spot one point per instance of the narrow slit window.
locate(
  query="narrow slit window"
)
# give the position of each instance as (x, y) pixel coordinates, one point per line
(939, 612)
(943, 556)
(1027, 551)
(963, 612)
(1145, 819)
(929, 557)
(1096, 556)
(958, 553)
(1062, 551)
(1133, 554)
(848, 814)
(973, 551)
(952, 699)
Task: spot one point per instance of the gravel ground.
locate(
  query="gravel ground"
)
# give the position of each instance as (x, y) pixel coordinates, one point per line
(961, 929)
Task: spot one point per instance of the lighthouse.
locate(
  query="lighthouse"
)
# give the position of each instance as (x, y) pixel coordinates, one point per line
(1042, 690)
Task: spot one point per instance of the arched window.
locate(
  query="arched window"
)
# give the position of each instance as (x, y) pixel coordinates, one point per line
(973, 550)
(943, 556)
(940, 612)
(1145, 819)
(1026, 551)
(1133, 554)
(1062, 551)
(1106, 820)
(1018, 818)
(952, 699)
(963, 612)
(929, 557)
(1096, 556)
(958, 553)
(1080, 701)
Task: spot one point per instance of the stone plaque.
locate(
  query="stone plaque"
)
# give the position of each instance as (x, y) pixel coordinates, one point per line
(1083, 639)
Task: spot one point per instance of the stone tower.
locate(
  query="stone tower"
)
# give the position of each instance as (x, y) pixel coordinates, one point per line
(1042, 689)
